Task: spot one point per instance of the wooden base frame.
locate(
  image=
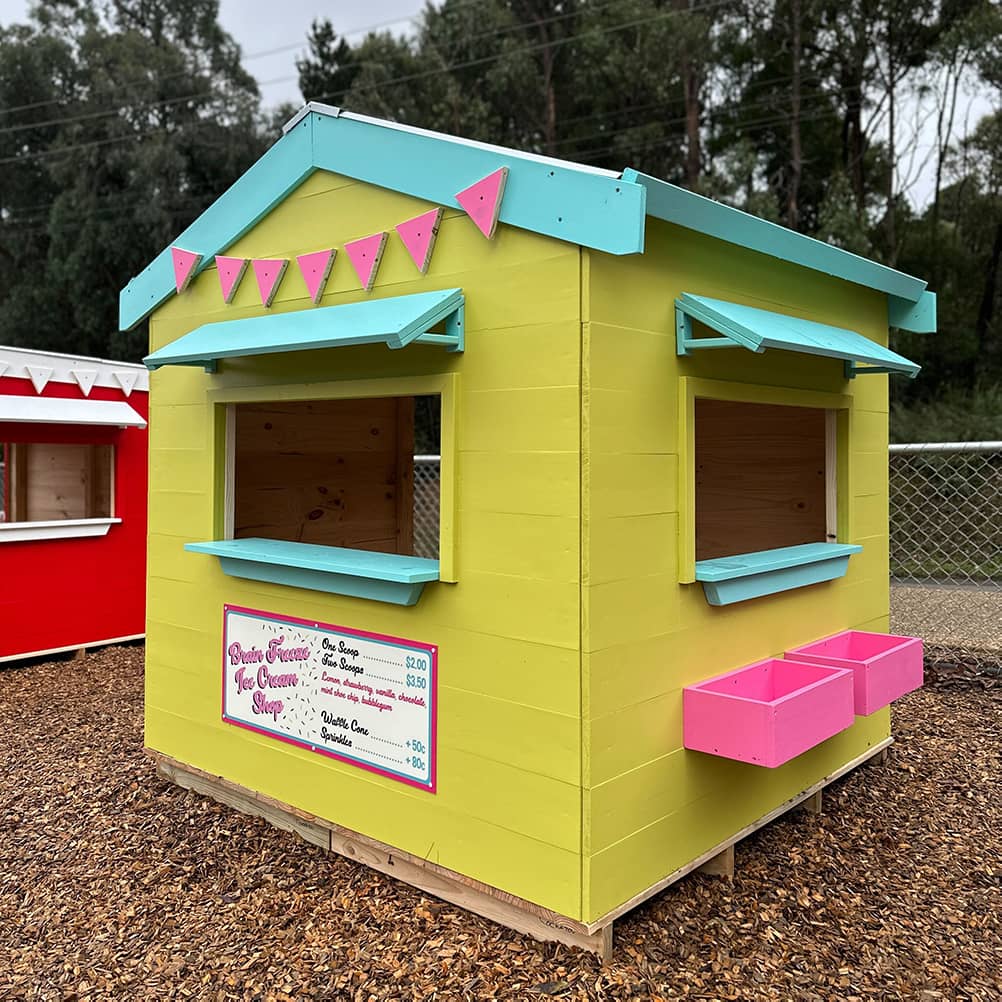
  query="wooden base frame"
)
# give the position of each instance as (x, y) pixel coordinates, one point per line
(87, 645)
(473, 895)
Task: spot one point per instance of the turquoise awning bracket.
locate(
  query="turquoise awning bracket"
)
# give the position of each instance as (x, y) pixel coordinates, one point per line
(757, 330)
(395, 322)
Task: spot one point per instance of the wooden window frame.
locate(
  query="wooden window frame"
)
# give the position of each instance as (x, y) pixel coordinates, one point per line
(837, 431)
(445, 386)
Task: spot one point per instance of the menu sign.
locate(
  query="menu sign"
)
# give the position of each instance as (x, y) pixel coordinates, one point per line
(359, 697)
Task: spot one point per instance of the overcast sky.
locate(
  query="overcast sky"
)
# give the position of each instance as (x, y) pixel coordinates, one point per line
(262, 27)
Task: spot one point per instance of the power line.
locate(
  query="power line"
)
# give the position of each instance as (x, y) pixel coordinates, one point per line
(709, 4)
(288, 47)
(166, 102)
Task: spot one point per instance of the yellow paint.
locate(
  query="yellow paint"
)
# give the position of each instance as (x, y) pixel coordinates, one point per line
(508, 810)
(446, 387)
(650, 806)
(565, 628)
(714, 389)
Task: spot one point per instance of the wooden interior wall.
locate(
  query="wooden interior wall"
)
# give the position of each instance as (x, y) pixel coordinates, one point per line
(760, 477)
(52, 481)
(331, 472)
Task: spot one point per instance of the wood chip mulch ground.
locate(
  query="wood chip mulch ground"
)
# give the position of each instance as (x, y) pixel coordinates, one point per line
(115, 884)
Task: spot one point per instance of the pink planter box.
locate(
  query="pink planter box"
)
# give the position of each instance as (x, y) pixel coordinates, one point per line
(885, 667)
(768, 712)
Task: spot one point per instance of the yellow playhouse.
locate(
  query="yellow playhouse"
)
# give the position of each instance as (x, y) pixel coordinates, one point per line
(652, 612)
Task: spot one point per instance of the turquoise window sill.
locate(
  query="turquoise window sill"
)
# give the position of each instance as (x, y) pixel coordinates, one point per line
(727, 580)
(382, 577)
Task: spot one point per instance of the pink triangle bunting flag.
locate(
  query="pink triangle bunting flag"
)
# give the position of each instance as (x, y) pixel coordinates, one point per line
(482, 201)
(316, 269)
(268, 273)
(185, 263)
(365, 255)
(419, 236)
(231, 271)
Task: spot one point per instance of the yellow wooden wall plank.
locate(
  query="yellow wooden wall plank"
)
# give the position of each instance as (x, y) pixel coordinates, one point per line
(628, 421)
(636, 607)
(508, 806)
(869, 429)
(503, 792)
(181, 427)
(532, 483)
(647, 801)
(623, 484)
(872, 515)
(868, 471)
(545, 678)
(527, 536)
(632, 546)
(539, 419)
(632, 864)
(412, 820)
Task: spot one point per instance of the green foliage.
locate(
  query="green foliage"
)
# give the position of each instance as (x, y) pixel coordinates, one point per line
(957, 416)
(121, 122)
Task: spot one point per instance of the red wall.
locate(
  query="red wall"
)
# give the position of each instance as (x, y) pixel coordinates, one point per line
(70, 592)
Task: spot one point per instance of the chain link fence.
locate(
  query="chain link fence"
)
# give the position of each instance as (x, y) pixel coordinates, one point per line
(946, 551)
(945, 547)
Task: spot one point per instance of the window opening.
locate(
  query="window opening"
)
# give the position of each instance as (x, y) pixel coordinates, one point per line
(47, 482)
(762, 479)
(337, 473)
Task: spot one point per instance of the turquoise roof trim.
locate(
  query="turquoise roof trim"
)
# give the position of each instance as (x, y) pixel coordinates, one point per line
(758, 330)
(559, 199)
(382, 577)
(594, 208)
(248, 200)
(695, 212)
(919, 317)
(396, 322)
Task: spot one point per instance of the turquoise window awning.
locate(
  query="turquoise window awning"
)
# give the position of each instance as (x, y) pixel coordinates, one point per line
(757, 330)
(395, 322)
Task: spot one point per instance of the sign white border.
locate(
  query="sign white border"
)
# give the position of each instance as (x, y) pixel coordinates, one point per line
(417, 661)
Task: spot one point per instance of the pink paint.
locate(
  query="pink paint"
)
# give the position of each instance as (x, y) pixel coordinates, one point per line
(231, 271)
(768, 712)
(482, 201)
(185, 263)
(884, 666)
(419, 235)
(316, 269)
(239, 656)
(365, 255)
(268, 273)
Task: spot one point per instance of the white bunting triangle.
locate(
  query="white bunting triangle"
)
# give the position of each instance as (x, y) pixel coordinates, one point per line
(40, 375)
(85, 377)
(126, 379)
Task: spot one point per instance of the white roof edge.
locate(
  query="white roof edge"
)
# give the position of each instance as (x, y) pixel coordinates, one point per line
(310, 106)
(70, 358)
(332, 112)
(15, 362)
(57, 410)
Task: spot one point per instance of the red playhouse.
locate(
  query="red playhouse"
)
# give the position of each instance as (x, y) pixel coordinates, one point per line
(73, 447)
